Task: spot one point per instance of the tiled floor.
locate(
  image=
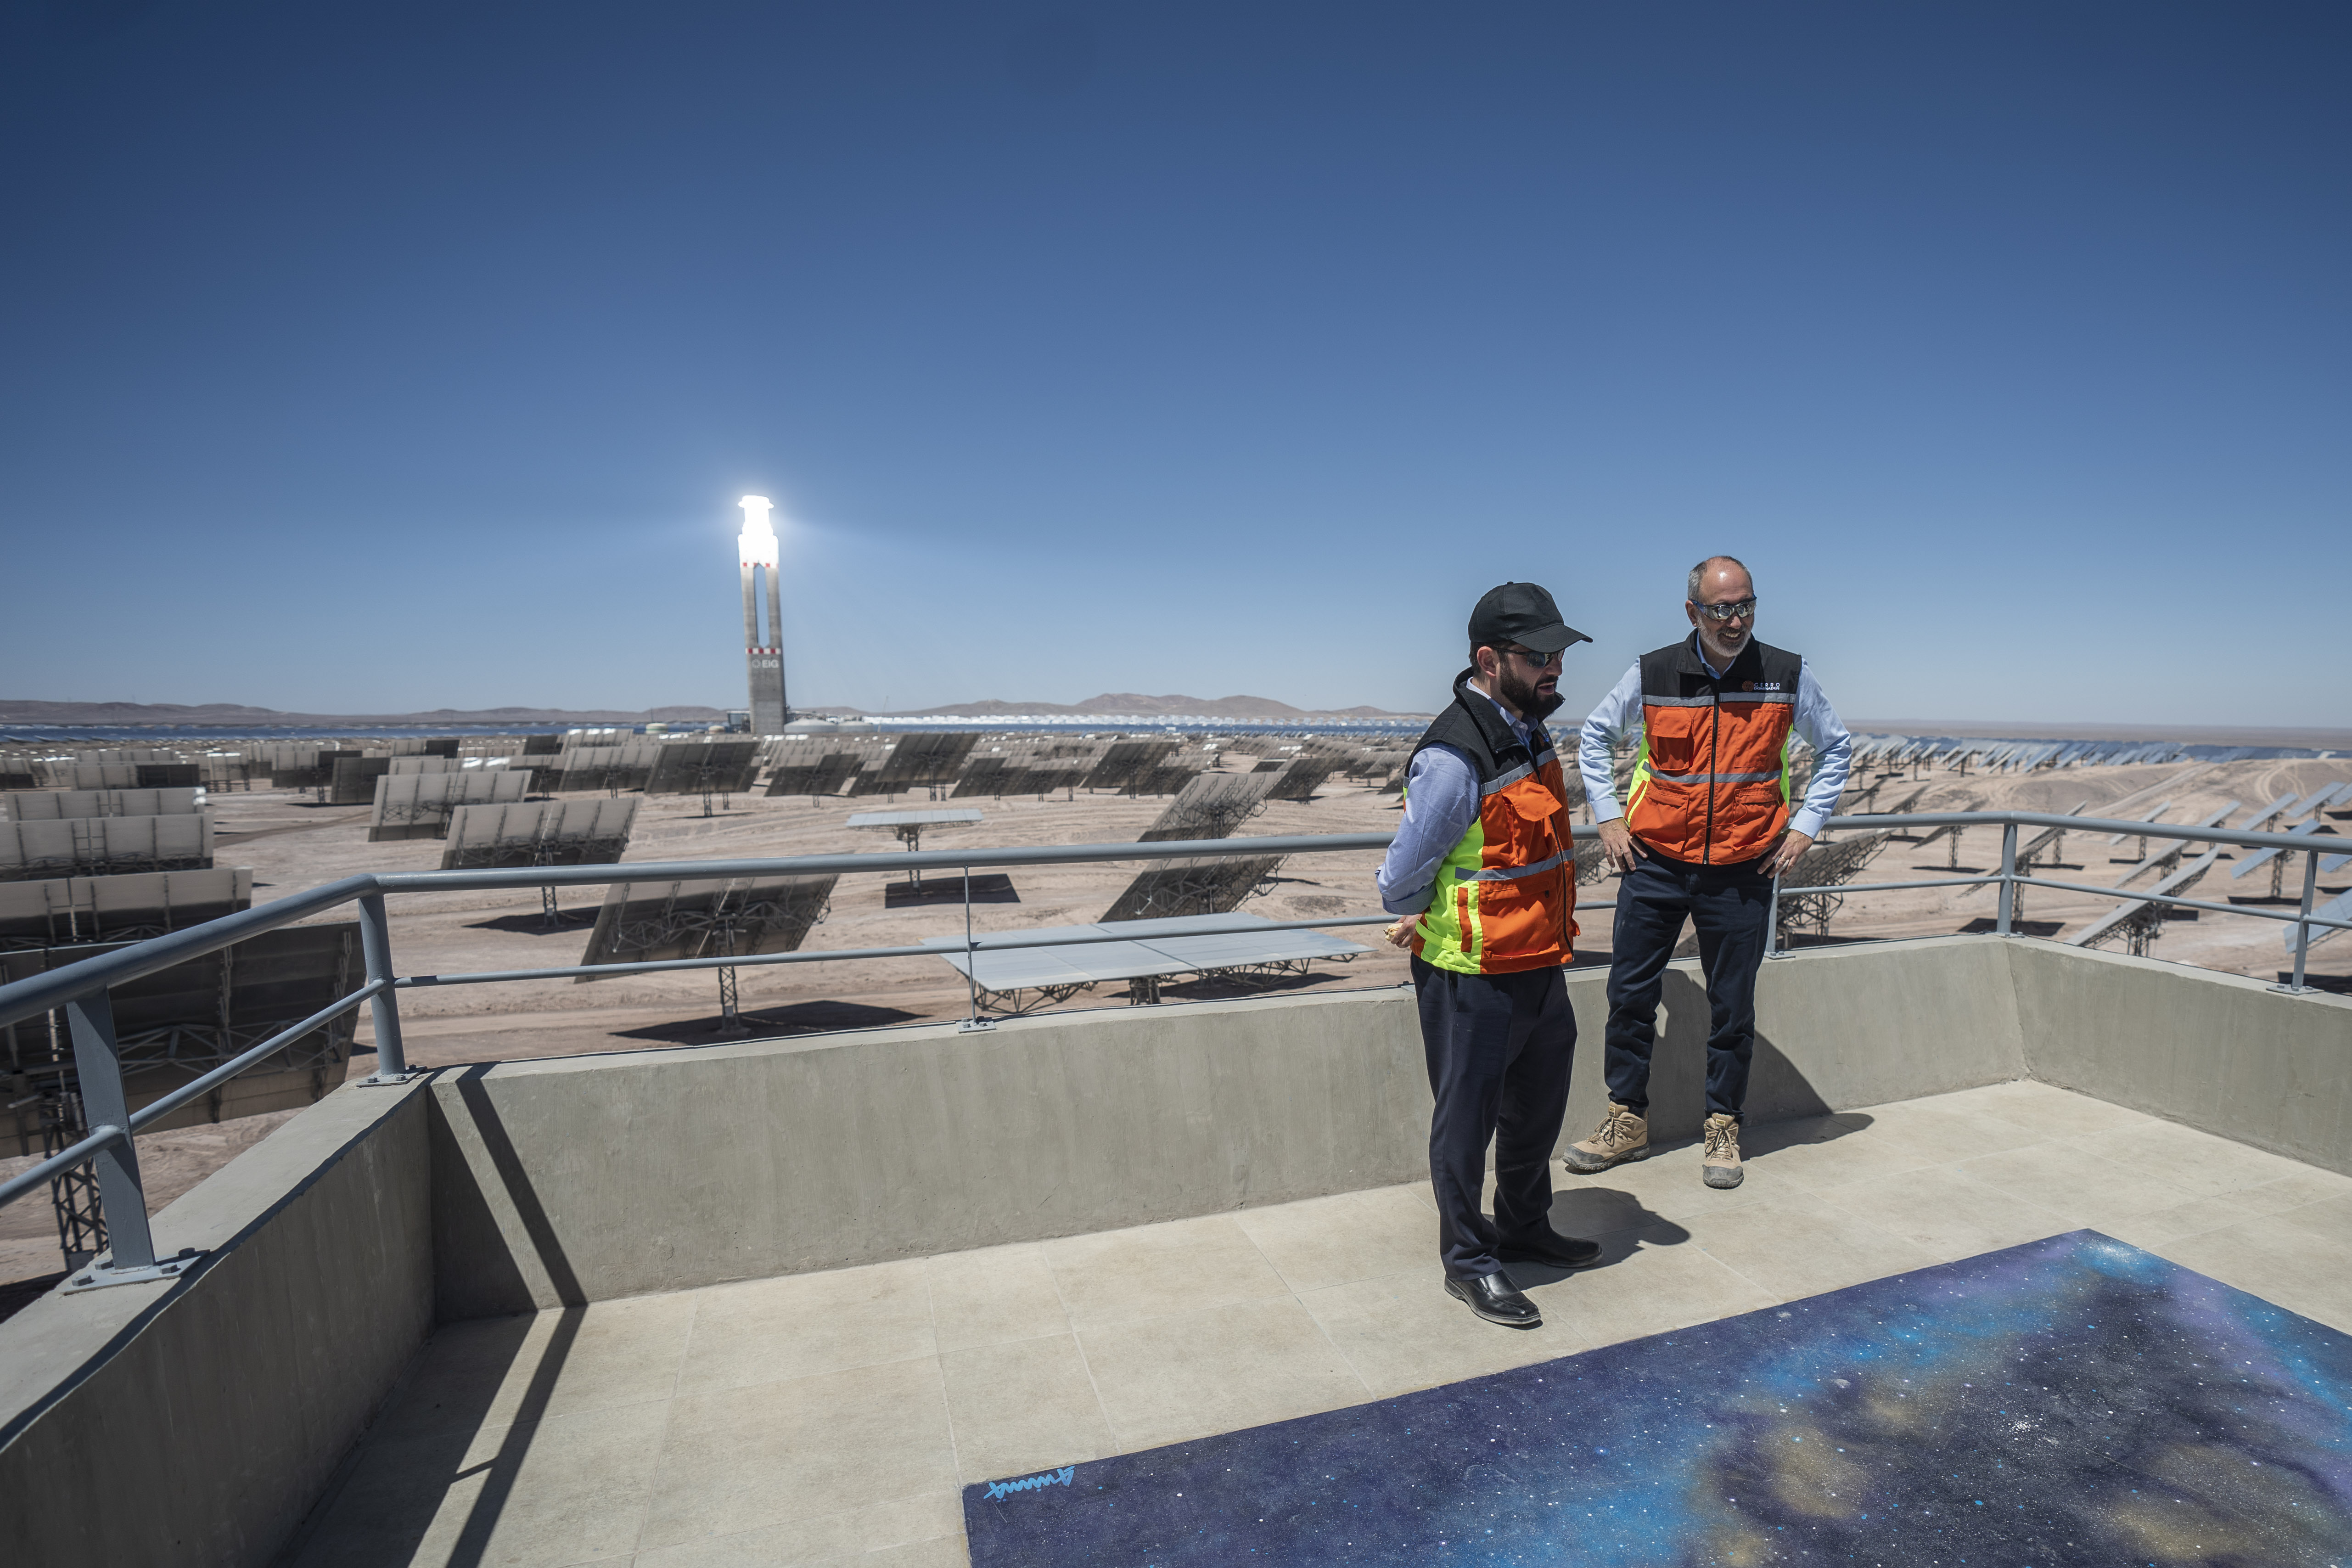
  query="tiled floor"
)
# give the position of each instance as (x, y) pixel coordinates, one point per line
(832, 1417)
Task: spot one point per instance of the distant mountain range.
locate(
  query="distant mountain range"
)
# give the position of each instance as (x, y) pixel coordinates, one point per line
(1110, 703)
(226, 714)
(2316, 737)
(14, 711)
(1132, 702)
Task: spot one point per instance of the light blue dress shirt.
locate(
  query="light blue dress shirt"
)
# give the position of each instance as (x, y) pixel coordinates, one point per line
(1620, 716)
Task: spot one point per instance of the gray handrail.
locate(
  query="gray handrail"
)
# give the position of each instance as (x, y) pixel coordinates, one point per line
(66, 1159)
(84, 985)
(40, 993)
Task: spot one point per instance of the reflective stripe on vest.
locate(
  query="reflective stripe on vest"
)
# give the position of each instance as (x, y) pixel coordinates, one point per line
(1711, 783)
(1513, 873)
(1505, 897)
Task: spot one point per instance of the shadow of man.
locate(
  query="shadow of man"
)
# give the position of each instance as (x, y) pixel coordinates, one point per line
(1777, 1090)
(1615, 1218)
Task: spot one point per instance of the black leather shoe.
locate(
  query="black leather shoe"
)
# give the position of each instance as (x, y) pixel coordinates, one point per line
(1549, 1246)
(1494, 1298)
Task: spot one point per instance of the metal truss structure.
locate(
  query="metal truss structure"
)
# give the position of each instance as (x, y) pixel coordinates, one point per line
(2141, 922)
(928, 760)
(173, 1028)
(1193, 887)
(419, 805)
(104, 846)
(1127, 764)
(130, 906)
(1820, 869)
(1212, 805)
(813, 767)
(713, 768)
(1301, 777)
(723, 917)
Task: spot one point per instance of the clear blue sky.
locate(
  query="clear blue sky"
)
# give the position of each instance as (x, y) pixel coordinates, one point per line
(370, 358)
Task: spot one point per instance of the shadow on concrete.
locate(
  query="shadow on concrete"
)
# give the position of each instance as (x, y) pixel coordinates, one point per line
(799, 1019)
(489, 1350)
(1987, 924)
(16, 1295)
(1763, 1137)
(501, 1472)
(1220, 987)
(1776, 1090)
(1624, 1224)
(1618, 1221)
(993, 888)
(514, 1181)
(572, 922)
(2334, 985)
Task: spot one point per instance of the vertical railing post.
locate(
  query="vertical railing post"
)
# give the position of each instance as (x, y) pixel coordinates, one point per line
(97, 1065)
(384, 1007)
(2007, 877)
(2303, 925)
(970, 963)
(1772, 922)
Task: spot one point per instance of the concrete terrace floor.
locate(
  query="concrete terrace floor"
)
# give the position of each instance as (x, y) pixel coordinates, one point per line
(833, 1417)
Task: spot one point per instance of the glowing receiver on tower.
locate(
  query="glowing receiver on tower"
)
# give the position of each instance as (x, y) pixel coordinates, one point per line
(758, 539)
(763, 656)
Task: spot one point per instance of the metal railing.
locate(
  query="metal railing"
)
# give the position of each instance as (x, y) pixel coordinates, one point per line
(81, 989)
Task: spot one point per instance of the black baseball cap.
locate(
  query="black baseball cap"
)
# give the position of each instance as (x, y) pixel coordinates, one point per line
(1524, 614)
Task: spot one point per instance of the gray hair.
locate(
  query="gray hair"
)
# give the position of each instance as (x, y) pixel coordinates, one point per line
(1698, 575)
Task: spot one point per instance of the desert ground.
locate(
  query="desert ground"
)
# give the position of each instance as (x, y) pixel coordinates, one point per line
(292, 845)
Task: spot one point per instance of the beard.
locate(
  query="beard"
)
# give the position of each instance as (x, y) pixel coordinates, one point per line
(1522, 695)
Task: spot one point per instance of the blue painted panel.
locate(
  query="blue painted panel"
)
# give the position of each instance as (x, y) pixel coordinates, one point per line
(2070, 1401)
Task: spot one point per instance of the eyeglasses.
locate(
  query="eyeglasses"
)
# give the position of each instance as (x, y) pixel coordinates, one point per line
(1540, 660)
(1739, 609)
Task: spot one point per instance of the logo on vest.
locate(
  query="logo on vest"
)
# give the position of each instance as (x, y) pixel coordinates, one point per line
(1761, 686)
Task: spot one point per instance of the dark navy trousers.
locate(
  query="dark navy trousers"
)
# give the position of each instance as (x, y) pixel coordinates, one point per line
(1731, 906)
(1499, 1047)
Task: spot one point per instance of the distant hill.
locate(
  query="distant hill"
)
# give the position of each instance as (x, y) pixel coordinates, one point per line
(2317, 739)
(1131, 702)
(26, 712)
(20, 711)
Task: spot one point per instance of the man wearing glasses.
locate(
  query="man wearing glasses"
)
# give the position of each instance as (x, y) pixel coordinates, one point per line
(1483, 870)
(1705, 828)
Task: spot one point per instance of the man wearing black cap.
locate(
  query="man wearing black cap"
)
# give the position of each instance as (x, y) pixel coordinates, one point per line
(1483, 869)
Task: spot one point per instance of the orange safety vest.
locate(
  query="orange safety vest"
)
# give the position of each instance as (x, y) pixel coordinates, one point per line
(1711, 786)
(1505, 899)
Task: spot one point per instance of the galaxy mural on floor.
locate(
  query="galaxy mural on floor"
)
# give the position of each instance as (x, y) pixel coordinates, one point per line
(2070, 1401)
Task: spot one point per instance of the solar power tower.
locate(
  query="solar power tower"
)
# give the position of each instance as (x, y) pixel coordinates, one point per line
(764, 653)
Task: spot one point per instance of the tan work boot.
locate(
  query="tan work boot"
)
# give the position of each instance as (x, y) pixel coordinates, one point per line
(1623, 1135)
(1720, 1168)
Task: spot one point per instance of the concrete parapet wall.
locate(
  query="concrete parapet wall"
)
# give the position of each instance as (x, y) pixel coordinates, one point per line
(1836, 1028)
(197, 1421)
(2218, 1052)
(562, 1181)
